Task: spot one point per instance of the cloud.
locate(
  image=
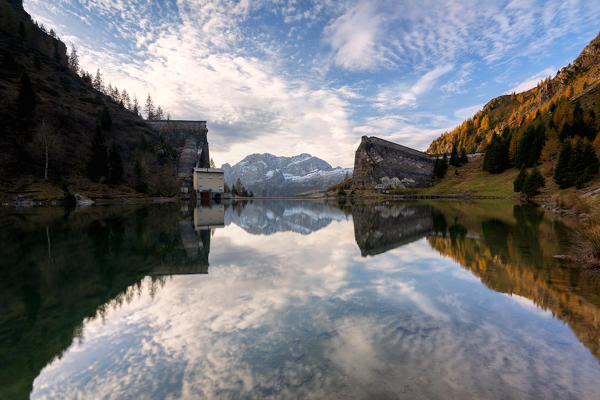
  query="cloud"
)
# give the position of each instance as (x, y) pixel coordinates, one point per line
(467, 112)
(532, 81)
(289, 316)
(301, 76)
(354, 37)
(398, 95)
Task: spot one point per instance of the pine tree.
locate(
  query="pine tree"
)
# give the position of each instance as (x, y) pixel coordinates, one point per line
(562, 174)
(454, 161)
(98, 83)
(26, 99)
(149, 108)
(115, 165)
(463, 157)
(105, 119)
(139, 178)
(519, 181)
(533, 183)
(440, 167)
(496, 155)
(135, 108)
(530, 146)
(159, 113)
(74, 60)
(126, 100)
(576, 165)
(98, 165)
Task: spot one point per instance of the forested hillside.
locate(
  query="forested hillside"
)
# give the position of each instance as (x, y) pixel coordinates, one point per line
(59, 130)
(553, 126)
(555, 99)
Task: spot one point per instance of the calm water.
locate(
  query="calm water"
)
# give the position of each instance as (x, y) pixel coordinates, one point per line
(294, 299)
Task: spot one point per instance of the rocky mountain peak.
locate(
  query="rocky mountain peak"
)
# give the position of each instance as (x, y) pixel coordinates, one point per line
(268, 174)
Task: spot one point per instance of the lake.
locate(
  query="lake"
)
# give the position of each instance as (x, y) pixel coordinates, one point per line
(295, 299)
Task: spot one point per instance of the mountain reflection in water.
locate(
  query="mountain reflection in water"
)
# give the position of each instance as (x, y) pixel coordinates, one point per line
(275, 299)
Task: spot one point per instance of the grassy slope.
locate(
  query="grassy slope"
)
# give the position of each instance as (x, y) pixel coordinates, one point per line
(473, 181)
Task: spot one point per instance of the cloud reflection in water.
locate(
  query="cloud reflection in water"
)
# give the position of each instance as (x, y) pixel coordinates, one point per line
(292, 315)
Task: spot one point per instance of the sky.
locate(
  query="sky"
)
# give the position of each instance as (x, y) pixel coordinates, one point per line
(287, 76)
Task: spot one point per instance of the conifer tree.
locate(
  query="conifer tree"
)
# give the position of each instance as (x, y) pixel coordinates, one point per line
(519, 181)
(98, 83)
(105, 118)
(135, 107)
(98, 165)
(149, 108)
(440, 167)
(463, 157)
(454, 161)
(530, 146)
(496, 155)
(533, 183)
(562, 174)
(159, 115)
(125, 99)
(139, 178)
(576, 165)
(74, 60)
(26, 99)
(115, 165)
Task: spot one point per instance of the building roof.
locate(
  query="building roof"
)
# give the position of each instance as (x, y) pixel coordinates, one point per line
(214, 170)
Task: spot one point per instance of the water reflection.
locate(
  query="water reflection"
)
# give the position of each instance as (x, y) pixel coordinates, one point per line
(266, 217)
(117, 303)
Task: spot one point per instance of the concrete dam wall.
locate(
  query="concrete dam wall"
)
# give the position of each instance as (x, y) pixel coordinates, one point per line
(379, 164)
(187, 138)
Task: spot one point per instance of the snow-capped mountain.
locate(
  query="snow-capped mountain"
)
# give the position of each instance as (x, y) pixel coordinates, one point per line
(269, 175)
(265, 217)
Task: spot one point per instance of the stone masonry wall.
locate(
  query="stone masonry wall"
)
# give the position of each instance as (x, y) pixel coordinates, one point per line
(186, 137)
(379, 164)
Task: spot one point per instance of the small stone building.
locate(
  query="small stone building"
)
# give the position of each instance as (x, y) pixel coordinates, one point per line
(209, 180)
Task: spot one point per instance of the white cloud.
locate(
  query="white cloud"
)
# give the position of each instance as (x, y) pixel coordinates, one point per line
(532, 81)
(400, 96)
(467, 112)
(208, 60)
(355, 37)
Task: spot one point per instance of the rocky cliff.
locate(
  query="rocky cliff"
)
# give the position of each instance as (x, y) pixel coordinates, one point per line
(379, 164)
(269, 175)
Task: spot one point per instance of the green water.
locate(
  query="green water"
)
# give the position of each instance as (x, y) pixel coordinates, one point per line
(294, 299)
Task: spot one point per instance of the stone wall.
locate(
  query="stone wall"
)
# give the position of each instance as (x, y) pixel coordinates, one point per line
(379, 164)
(186, 137)
(378, 229)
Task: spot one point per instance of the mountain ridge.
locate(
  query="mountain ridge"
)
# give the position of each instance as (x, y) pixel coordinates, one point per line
(577, 81)
(266, 174)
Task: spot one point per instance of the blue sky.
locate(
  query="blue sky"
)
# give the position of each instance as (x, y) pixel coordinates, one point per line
(289, 77)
